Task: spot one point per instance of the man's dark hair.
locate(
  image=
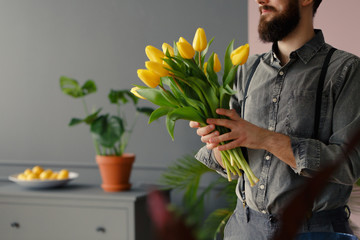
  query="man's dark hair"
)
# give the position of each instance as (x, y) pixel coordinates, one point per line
(316, 5)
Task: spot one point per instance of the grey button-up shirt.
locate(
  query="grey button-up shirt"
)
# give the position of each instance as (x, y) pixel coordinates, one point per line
(282, 99)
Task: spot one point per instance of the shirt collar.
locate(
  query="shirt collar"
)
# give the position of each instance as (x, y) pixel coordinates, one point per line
(307, 51)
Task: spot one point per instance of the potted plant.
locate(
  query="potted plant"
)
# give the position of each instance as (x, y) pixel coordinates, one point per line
(110, 133)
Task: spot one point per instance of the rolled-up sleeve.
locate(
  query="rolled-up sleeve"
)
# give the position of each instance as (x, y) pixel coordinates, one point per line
(206, 156)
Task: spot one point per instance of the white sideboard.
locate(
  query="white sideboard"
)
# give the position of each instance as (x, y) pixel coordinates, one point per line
(73, 212)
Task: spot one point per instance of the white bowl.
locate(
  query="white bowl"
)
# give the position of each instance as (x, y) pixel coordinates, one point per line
(37, 183)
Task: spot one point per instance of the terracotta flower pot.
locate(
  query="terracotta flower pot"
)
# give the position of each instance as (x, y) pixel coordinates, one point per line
(115, 171)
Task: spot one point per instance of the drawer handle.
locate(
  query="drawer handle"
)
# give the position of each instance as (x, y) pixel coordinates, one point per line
(15, 225)
(100, 229)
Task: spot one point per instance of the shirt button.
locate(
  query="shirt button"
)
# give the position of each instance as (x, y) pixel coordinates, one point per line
(274, 100)
(262, 186)
(281, 73)
(267, 157)
(263, 211)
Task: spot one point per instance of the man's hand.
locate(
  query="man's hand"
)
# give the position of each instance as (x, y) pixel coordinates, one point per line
(206, 133)
(242, 133)
(245, 134)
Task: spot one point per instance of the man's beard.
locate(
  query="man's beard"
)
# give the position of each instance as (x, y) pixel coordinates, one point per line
(281, 25)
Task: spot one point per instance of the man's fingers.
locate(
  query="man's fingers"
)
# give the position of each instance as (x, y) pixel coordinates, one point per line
(231, 113)
(222, 138)
(227, 146)
(194, 124)
(220, 122)
(206, 138)
(205, 130)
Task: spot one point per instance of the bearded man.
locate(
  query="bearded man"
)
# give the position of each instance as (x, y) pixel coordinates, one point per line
(295, 110)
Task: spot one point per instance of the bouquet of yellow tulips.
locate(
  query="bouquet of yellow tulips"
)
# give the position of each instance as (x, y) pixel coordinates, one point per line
(184, 86)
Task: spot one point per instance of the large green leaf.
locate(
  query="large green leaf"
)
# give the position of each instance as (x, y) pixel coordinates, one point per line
(107, 130)
(88, 119)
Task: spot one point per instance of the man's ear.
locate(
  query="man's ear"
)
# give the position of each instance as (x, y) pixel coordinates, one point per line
(305, 3)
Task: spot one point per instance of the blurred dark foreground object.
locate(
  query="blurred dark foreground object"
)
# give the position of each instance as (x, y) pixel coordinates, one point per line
(325, 236)
(168, 226)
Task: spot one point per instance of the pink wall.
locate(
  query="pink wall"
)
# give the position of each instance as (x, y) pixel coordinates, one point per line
(337, 19)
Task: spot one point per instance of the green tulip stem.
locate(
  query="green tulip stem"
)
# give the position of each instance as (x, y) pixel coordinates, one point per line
(200, 60)
(177, 84)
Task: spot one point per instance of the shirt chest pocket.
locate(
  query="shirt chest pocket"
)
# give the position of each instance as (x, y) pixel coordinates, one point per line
(301, 113)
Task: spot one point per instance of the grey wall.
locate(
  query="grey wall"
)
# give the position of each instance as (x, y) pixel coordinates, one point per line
(103, 40)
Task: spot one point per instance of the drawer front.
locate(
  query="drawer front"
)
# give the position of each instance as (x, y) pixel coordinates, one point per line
(62, 222)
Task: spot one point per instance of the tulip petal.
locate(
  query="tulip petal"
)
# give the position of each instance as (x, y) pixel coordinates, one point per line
(157, 68)
(154, 54)
(134, 91)
(185, 50)
(167, 47)
(149, 78)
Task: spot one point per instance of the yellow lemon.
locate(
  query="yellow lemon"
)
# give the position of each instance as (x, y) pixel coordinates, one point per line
(37, 170)
(21, 176)
(32, 176)
(45, 174)
(27, 171)
(53, 176)
(63, 174)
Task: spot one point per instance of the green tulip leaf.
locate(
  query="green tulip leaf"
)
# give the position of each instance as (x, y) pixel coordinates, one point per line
(225, 95)
(185, 113)
(227, 60)
(107, 130)
(229, 80)
(145, 110)
(170, 126)
(212, 76)
(203, 53)
(159, 112)
(157, 96)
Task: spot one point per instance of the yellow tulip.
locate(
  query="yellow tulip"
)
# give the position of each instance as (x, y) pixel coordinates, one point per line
(154, 54)
(240, 55)
(167, 47)
(181, 39)
(157, 68)
(217, 64)
(185, 48)
(149, 78)
(200, 42)
(205, 66)
(134, 91)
